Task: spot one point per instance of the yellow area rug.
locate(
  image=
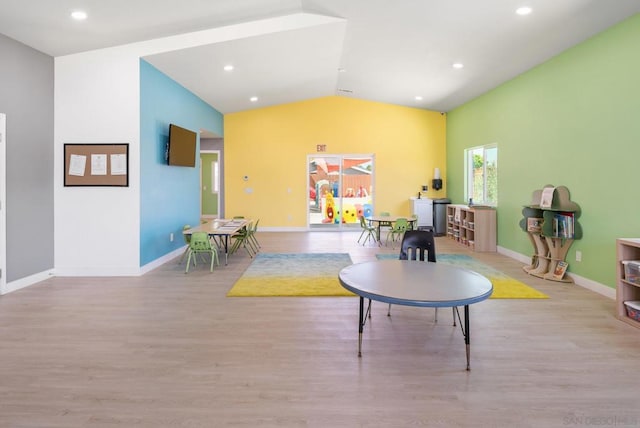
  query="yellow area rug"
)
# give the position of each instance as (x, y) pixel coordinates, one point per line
(311, 274)
(283, 274)
(504, 287)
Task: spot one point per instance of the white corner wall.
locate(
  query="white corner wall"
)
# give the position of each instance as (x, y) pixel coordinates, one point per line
(97, 101)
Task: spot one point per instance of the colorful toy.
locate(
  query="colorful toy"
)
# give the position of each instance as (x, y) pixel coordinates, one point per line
(329, 206)
(368, 210)
(350, 214)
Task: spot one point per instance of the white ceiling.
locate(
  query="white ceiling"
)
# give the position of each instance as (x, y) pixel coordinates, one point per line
(389, 51)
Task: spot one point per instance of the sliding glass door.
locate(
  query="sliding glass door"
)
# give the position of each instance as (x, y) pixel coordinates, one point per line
(340, 190)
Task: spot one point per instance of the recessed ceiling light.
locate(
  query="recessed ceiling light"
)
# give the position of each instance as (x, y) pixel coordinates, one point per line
(228, 67)
(342, 70)
(79, 15)
(524, 10)
(253, 99)
(418, 98)
(457, 65)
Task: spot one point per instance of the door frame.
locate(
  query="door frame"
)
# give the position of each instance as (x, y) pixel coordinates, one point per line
(341, 157)
(3, 204)
(219, 179)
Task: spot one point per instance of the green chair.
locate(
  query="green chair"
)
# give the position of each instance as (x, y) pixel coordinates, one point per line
(200, 244)
(252, 236)
(381, 224)
(385, 223)
(187, 240)
(413, 223)
(397, 230)
(241, 239)
(368, 229)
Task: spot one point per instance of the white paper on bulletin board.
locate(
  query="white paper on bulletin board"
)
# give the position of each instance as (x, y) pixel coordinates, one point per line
(77, 165)
(99, 164)
(118, 164)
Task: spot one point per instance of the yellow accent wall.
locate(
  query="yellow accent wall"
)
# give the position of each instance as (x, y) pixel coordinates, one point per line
(270, 146)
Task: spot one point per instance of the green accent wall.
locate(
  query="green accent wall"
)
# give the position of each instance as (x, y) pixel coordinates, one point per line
(572, 121)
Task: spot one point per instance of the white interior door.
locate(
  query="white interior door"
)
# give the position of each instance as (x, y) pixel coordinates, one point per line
(3, 198)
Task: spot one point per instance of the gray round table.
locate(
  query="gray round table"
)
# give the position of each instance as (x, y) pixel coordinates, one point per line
(414, 283)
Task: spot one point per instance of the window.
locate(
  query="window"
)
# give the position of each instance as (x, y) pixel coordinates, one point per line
(481, 166)
(215, 176)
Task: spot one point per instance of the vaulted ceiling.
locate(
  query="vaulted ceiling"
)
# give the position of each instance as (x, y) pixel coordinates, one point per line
(399, 52)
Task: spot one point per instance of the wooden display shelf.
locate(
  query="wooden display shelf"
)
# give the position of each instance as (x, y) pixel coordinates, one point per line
(552, 228)
(626, 249)
(473, 227)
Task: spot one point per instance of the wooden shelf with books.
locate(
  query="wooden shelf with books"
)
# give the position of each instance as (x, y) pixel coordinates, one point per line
(551, 222)
(628, 279)
(474, 227)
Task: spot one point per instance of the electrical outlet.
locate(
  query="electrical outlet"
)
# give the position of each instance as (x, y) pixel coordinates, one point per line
(578, 256)
(171, 237)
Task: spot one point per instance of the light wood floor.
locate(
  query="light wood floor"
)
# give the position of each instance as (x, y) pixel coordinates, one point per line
(169, 349)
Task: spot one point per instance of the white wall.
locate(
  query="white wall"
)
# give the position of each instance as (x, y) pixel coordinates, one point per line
(97, 101)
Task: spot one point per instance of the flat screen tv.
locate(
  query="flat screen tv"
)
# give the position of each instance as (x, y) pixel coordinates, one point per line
(181, 150)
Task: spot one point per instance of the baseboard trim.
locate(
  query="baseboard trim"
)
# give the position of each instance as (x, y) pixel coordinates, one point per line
(162, 260)
(26, 281)
(577, 279)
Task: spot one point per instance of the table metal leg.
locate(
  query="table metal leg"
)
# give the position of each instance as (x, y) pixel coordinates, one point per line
(361, 320)
(226, 249)
(467, 333)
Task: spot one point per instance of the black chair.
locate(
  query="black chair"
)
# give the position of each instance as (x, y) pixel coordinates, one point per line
(415, 243)
(419, 245)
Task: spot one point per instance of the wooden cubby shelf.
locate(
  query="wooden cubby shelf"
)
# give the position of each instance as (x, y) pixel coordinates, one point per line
(473, 227)
(626, 249)
(551, 222)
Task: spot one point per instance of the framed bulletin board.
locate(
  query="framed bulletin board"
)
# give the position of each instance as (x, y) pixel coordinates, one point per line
(96, 165)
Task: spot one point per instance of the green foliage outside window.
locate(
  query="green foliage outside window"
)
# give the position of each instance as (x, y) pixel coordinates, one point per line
(483, 182)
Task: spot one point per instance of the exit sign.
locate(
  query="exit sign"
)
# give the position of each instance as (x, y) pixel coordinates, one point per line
(321, 148)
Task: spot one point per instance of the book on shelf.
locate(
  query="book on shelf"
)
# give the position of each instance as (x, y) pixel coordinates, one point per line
(547, 197)
(534, 224)
(561, 268)
(563, 225)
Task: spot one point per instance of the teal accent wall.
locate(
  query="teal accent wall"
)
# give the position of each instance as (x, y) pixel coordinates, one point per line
(573, 121)
(169, 195)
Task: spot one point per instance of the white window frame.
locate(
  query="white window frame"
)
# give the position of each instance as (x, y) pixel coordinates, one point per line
(468, 173)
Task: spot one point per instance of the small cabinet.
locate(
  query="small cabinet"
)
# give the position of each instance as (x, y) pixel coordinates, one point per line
(627, 289)
(423, 210)
(473, 227)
